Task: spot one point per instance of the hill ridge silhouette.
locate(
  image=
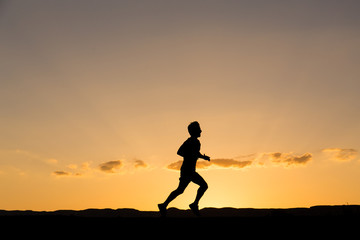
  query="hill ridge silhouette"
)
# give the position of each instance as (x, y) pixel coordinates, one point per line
(316, 221)
(207, 212)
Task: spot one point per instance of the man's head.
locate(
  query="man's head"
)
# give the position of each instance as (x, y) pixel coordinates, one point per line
(194, 129)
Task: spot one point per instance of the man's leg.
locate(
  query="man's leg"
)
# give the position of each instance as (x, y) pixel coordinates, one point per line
(179, 190)
(184, 182)
(203, 187)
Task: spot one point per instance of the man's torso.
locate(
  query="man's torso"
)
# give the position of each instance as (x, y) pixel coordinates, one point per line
(191, 149)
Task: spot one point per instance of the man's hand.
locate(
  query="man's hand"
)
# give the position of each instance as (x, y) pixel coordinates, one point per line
(206, 157)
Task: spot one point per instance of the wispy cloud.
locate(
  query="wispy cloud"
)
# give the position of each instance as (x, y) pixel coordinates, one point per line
(61, 173)
(254, 160)
(110, 166)
(290, 159)
(214, 163)
(175, 165)
(140, 164)
(341, 154)
(230, 163)
(76, 170)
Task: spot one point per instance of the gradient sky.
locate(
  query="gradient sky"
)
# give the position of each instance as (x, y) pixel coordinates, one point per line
(95, 98)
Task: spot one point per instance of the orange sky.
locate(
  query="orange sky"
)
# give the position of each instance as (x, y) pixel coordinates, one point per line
(96, 96)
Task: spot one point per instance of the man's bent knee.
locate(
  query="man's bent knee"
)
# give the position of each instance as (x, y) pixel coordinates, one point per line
(204, 187)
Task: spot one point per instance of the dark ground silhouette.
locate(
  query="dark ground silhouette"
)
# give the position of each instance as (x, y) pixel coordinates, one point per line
(317, 221)
(206, 213)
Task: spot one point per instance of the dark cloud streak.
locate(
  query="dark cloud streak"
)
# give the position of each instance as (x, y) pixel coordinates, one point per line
(290, 159)
(341, 154)
(61, 173)
(140, 164)
(110, 166)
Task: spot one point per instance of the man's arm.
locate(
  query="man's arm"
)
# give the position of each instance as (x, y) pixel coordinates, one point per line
(203, 156)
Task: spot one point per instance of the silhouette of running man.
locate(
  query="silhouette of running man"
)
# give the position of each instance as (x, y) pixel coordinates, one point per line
(190, 151)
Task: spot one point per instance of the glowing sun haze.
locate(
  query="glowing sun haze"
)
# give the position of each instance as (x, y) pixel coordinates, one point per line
(96, 96)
